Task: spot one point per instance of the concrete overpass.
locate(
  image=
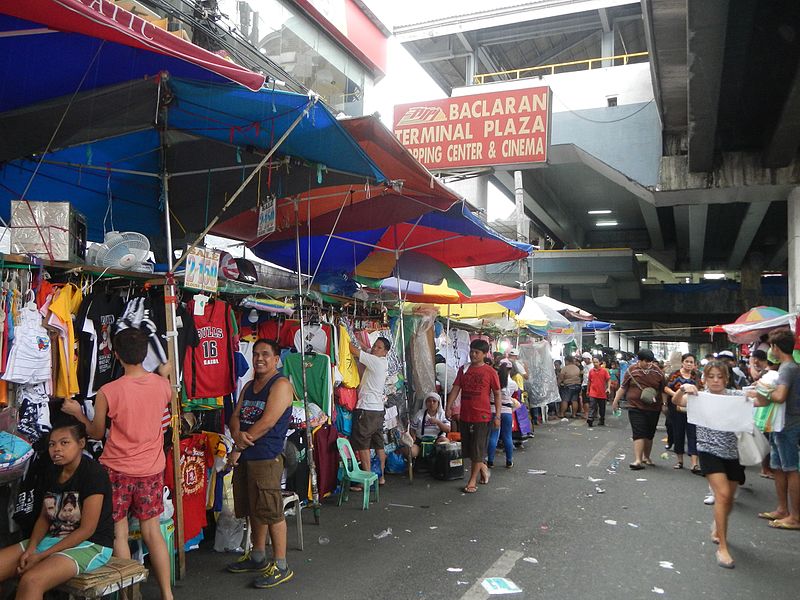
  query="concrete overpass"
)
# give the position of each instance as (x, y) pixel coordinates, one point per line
(692, 148)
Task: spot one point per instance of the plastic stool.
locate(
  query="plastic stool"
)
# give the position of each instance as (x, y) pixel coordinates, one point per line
(289, 498)
(168, 533)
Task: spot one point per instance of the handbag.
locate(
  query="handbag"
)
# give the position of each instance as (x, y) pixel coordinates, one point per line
(752, 446)
(648, 395)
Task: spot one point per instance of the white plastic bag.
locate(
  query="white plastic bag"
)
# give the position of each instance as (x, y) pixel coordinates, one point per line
(753, 447)
(230, 530)
(169, 508)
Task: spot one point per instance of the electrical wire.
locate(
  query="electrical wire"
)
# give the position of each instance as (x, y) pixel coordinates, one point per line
(633, 114)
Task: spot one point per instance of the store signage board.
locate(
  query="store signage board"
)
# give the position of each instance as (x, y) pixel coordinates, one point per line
(482, 130)
(266, 217)
(202, 270)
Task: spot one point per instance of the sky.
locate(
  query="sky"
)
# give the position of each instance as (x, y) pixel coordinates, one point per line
(406, 81)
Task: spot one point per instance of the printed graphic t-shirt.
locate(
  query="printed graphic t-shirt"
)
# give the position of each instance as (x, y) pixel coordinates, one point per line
(196, 458)
(63, 502)
(478, 385)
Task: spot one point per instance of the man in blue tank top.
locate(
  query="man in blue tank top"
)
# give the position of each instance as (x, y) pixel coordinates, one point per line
(258, 427)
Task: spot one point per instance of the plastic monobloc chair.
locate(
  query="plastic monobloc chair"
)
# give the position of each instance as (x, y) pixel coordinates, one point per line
(354, 474)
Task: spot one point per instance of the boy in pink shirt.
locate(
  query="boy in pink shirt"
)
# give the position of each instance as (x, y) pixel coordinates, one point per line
(133, 454)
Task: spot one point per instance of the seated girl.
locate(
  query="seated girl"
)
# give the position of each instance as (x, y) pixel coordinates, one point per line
(429, 423)
(74, 532)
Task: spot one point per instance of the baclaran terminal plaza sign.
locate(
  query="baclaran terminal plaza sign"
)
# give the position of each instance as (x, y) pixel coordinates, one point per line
(499, 128)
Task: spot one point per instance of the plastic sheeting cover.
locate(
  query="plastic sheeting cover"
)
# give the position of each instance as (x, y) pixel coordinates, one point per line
(541, 385)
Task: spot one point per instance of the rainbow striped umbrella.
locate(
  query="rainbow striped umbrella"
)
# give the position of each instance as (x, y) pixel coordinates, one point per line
(759, 314)
(757, 321)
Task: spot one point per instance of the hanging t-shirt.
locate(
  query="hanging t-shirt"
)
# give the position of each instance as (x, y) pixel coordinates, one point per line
(62, 308)
(196, 458)
(477, 392)
(348, 366)
(136, 409)
(208, 368)
(30, 358)
(314, 339)
(96, 317)
(288, 332)
(64, 502)
(318, 377)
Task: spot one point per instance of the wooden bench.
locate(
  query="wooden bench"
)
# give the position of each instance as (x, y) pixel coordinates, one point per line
(117, 574)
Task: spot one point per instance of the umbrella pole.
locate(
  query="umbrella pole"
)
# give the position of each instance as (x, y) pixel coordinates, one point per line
(402, 353)
(446, 372)
(309, 434)
(170, 301)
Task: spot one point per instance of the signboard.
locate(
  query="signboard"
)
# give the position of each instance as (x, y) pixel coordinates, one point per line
(202, 270)
(266, 217)
(482, 130)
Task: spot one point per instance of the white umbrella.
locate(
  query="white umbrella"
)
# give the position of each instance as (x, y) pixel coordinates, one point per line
(558, 305)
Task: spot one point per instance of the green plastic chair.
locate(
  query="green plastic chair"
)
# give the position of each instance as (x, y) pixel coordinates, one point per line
(353, 473)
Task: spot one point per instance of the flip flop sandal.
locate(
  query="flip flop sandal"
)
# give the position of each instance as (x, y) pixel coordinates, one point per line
(678, 466)
(649, 463)
(696, 470)
(770, 516)
(779, 525)
(636, 466)
(470, 489)
(484, 480)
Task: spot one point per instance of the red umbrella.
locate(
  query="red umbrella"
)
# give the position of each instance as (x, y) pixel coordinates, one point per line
(714, 329)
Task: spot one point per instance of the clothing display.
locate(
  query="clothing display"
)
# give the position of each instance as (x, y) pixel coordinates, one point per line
(208, 367)
(348, 365)
(30, 358)
(96, 317)
(137, 315)
(318, 378)
(195, 459)
(63, 307)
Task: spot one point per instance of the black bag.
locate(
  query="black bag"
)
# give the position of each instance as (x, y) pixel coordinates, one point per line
(447, 461)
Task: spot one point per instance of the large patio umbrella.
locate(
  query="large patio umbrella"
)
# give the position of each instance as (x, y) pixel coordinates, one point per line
(757, 321)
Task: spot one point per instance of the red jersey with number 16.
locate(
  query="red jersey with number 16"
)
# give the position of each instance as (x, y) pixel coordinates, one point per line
(208, 367)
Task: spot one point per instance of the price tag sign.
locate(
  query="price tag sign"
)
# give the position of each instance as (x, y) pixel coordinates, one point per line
(266, 217)
(202, 270)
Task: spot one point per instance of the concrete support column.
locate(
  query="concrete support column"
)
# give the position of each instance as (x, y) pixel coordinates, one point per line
(793, 205)
(613, 340)
(623, 342)
(476, 191)
(523, 228)
(607, 47)
(602, 338)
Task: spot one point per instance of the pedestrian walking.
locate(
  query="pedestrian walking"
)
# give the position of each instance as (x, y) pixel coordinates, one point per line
(642, 386)
(478, 385)
(569, 381)
(508, 389)
(719, 458)
(598, 390)
(684, 434)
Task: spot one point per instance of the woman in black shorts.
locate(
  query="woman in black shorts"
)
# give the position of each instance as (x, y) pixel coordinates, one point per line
(719, 459)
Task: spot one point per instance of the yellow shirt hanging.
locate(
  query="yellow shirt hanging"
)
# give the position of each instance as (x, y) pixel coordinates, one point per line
(63, 307)
(348, 366)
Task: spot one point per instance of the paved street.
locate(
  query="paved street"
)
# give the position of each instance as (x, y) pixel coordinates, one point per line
(586, 544)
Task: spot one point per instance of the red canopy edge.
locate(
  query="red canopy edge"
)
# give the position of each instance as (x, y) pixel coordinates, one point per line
(105, 20)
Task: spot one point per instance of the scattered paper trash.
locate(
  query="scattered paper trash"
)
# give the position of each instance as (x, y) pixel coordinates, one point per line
(530, 559)
(383, 534)
(657, 590)
(462, 582)
(473, 541)
(544, 527)
(536, 472)
(634, 525)
(500, 585)
(665, 455)
(405, 506)
(610, 522)
(641, 479)
(433, 527)
(665, 564)
(565, 420)
(595, 480)
(323, 541)
(577, 465)
(599, 490)
(408, 531)
(454, 569)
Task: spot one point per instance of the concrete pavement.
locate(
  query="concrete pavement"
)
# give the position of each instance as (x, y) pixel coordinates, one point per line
(556, 535)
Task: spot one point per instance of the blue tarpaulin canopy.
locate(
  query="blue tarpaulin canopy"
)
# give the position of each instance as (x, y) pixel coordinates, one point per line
(208, 137)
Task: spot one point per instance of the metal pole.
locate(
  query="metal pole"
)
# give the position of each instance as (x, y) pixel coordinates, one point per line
(309, 434)
(170, 301)
(446, 372)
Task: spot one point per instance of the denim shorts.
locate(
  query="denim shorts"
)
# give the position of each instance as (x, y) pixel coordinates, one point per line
(784, 453)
